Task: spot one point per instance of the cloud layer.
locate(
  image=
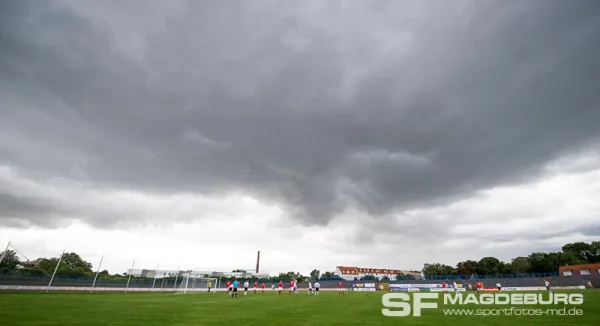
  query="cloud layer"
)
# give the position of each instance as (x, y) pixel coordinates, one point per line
(371, 112)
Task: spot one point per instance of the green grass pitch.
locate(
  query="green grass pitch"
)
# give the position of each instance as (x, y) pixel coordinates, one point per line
(354, 308)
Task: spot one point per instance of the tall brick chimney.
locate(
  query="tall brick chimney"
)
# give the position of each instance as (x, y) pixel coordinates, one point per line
(258, 262)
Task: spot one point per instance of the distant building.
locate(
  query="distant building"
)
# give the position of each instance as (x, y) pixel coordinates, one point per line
(416, 274)
(32, 264)
(580, 270)
(151, 273)
(244, 274)
(261, 275)
(350, 273)
(141, 272)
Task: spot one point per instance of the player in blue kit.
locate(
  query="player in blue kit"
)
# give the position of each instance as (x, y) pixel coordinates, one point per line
(235, 289)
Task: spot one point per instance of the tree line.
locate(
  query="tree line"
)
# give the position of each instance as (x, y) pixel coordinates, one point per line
(313, 275)
(72, 264)
(538, 262)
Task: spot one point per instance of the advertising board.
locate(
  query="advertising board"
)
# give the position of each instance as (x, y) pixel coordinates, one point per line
(450, 290)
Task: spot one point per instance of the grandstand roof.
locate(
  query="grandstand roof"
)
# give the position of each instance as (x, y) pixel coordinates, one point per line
(357, 270)
(592, 269)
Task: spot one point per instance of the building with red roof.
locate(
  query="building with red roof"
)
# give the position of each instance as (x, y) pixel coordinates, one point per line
(350, 273)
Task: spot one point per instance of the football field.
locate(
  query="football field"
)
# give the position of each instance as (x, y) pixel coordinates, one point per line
(354, 308)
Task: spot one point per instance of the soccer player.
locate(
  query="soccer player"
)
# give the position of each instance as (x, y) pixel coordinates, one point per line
(209, 285)
(235, 289)
(478, 285)
(246, 285)
(229, 287)
(499, 286)
(280, 286)
(444, 285)
(455, 287)
(295, 286)
(291, 287)
(340, 288)
(547, 284)
(317, 287)
(262, 287)
(255, 287)
(309, 288)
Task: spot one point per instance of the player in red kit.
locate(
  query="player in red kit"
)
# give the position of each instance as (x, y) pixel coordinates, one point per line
(341, 288)
(444, 287)
(291, 287)
(280, 286)
(228, 286)
(255, 286)
(262, 287)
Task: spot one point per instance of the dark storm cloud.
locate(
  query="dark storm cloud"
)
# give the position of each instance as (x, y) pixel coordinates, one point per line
(26, 210)
(381, 105)
(593, 231)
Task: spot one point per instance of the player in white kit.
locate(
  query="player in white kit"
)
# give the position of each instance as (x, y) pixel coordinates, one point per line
(309, 288)
(547, 284)
(317, 287)
(246, 285)
(455, 287)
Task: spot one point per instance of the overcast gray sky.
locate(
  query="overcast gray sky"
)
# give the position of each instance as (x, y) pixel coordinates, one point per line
(375, 133)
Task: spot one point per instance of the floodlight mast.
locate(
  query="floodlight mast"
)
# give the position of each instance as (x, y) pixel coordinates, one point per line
(5, 252)
(176, 275)
(97, 272)
(187, 280)
(129, 278)
(55, 269)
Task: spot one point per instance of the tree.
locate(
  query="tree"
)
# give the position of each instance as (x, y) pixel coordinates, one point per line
(328, 274)
(72, 261)
(582, 252)
(595, 251)
(10, 260)
(489, 266)
(291, 275)
(71, 264)
(506, 268)
(48, 265)
(572, 258)
(238, 271)
(520, 265)
(550, 262)
(466, 267)
(539, 262)
(438, 269)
